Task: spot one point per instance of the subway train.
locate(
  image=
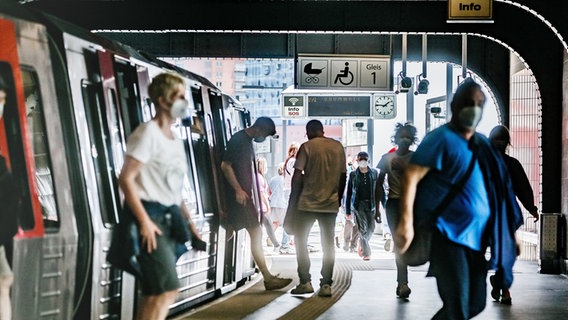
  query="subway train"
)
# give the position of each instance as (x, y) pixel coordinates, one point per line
(73, 98)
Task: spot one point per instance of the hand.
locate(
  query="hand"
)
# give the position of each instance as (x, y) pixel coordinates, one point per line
(378, 218)
(242, 197)
(148, 231)
(403, 236)
(535, 215)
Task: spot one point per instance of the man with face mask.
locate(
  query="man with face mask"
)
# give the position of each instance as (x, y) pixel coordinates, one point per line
(483, 212)
(393, 165)
(362, 199)
(238, 169)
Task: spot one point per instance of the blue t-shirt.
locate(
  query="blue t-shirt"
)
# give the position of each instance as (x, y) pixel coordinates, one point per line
(447, 155)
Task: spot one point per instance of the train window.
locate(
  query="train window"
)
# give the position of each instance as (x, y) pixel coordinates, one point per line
(40, 148)
(12, 145)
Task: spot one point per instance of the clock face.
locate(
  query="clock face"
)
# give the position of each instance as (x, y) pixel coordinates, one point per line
(384, 107)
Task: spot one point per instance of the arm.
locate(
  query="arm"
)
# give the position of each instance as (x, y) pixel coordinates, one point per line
(241, 196)
(192, 229)
(126, 180)
(341, 188)
(405, 229)
(379, 196)
(522, 187)
(348, 195)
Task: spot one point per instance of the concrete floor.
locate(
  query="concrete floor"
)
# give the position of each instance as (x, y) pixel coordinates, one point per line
(368, 292)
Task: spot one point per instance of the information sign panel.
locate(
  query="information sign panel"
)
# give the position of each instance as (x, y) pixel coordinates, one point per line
(339, 106)
(470, 10)
(344, 72)
(293, 106)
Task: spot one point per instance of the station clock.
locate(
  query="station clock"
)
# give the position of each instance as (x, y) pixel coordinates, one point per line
(384, 106)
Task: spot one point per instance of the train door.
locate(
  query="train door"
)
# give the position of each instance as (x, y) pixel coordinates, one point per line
(238, 263)
(46, 245)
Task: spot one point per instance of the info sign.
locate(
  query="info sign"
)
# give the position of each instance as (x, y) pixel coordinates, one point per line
(470, 10)
(343, 72)
(293, 106)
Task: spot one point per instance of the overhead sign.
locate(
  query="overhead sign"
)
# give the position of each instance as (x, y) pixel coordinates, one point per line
(470, 10)
(339, 106)
(343, 72)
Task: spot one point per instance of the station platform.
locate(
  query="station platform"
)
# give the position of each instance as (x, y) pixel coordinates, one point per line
(366, 290)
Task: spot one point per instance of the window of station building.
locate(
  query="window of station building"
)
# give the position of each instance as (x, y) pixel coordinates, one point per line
(40, 149)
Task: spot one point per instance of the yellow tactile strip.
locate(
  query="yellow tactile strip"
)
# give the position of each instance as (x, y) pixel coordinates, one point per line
(315, 306)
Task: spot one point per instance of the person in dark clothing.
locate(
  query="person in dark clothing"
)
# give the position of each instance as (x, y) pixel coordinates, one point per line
(483, 213)
(363, 200)
(500, 138)
(238, 170)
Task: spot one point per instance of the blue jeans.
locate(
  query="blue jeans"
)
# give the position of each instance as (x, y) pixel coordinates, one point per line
(366, 225)
(461, 278)
(326, 222)
(393, 214)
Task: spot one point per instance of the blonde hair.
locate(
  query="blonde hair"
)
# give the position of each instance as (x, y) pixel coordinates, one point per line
(164, 85)
(261, 165)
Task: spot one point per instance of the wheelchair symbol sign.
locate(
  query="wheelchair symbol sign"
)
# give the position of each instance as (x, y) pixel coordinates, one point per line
(344, 73)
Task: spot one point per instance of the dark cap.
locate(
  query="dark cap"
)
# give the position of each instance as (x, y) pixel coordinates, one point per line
(266, 124)
(362, 154)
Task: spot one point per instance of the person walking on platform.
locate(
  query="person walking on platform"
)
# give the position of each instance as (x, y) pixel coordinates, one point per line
(484, 211)
(265, 192)
(288, 172)
(501, 139)
(317, 188)
(363, 200)
(237, 167)
(277, 200)
(152, 181)
(392, 166)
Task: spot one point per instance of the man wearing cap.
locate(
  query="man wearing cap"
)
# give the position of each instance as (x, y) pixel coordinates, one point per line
(237, 167)
(362, 199)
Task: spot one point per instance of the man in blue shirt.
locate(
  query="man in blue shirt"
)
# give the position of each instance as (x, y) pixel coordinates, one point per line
(481, 210)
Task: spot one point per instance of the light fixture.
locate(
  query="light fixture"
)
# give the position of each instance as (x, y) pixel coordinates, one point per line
(422, 87)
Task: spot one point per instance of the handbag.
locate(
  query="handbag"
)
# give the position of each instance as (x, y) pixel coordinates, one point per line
(418, 252)
(291, 222)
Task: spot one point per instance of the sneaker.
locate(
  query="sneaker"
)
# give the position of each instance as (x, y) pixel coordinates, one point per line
(269, 242)
(506, 297)
(303, 288)
(403, 291)
(325, 290)
(275, 282)
(366, 258)
(286, 251)
(346, 248)
(494, 292)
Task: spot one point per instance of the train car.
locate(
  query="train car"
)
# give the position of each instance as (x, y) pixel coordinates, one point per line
(73, 99)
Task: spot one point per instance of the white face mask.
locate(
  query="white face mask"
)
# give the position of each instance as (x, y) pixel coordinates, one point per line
(179, 108)
(363, 163)
(469, 117)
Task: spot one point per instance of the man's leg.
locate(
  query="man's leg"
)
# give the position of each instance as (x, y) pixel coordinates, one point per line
(156, 307)
(449, 264)
(326, 223)
(255, 234)
(301, 238)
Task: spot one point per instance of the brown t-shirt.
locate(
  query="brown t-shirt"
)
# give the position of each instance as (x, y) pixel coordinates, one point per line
(322, 160)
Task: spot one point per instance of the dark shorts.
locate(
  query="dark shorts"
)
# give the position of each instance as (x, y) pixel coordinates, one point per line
(159, 266)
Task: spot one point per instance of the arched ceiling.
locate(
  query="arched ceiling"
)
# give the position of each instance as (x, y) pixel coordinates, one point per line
(534, 29)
